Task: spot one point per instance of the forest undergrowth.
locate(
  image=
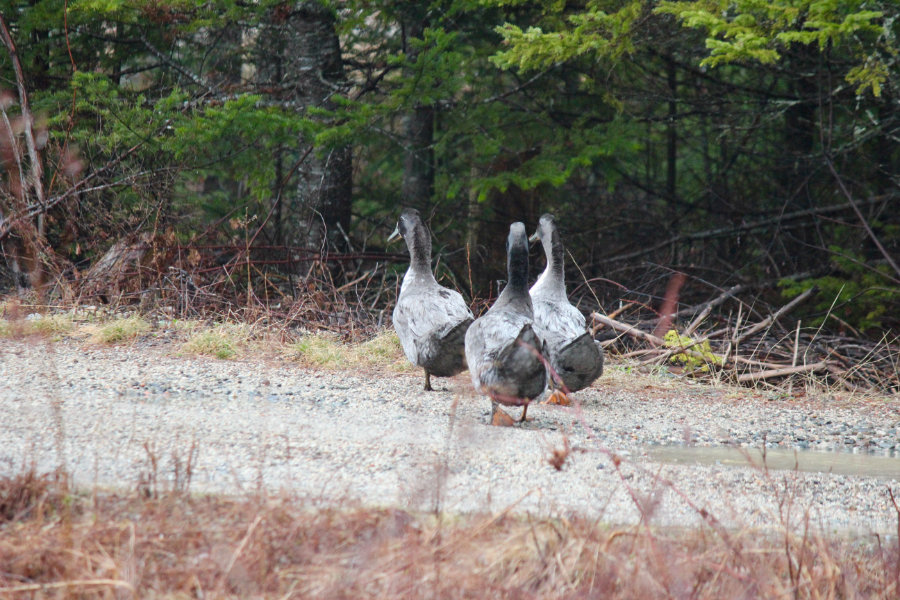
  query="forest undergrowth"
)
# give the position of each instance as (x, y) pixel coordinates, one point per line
(750, 335)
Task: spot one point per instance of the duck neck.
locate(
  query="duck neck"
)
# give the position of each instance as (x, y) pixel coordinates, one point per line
(553, 277)
(517, 267)
(419, 246)
(516, 289)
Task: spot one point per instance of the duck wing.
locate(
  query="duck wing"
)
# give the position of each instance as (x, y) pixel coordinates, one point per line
(426, 315)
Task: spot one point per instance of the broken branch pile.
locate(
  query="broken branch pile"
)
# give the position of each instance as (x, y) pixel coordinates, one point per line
(752, 347)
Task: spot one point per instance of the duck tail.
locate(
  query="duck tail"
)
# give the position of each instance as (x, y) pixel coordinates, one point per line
(579, 362)
(523, 358)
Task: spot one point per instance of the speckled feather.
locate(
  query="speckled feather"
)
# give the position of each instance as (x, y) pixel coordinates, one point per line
(428, 318)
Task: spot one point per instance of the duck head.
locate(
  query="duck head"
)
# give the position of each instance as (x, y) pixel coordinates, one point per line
(413, 230)
(548, 234)
(545, 230)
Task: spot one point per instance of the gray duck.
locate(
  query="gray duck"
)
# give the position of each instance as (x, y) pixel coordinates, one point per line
(430, 320)
(576, 359)
(502, 349)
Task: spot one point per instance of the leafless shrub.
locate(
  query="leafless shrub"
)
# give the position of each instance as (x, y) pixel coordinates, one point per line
(30, 495)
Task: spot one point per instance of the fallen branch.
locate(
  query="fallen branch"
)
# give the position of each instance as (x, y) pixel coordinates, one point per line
(729, 293)
(56, 585)
(782, 372)
(628, 329)
(665, 350)
(774, 316)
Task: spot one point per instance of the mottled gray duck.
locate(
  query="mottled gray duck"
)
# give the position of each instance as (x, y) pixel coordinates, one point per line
(575, 358)
(430, 320)
(502, 349)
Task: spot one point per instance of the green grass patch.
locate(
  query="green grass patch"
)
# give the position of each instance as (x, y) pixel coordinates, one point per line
(321, 350)
(327, 351)
(52, 326)
(120, 330)
(221, 341)
(383, 350)
(186, 326)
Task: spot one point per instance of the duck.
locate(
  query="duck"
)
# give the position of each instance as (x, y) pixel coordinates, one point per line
(575, 358)
(503, 350)
(430, 319)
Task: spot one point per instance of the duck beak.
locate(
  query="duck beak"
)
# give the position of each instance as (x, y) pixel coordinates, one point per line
(535, 237)
(394, 235)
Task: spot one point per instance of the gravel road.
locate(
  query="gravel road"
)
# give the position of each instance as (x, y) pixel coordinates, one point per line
(374, 437)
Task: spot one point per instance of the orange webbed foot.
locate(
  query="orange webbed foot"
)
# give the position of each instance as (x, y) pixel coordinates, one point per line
(501, 419)
(558, 397)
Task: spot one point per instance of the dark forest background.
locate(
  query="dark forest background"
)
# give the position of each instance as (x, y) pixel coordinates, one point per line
(213, 155)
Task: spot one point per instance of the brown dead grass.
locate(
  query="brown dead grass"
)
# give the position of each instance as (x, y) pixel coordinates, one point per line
(29, 495)
(178, 546)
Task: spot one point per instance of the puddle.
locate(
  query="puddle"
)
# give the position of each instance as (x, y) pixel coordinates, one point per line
(840, 463)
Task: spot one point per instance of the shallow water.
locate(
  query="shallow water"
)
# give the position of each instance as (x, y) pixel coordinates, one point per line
(841, 463)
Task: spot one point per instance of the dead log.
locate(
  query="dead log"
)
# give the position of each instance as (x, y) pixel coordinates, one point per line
(129, 266)
(628, 329)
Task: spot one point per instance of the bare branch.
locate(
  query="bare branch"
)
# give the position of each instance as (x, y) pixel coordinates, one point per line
(729, 293)
(862, 219)
(196, 79)
(6, 223)
(819, 366)
(36, 171)
(778, 313)
(725, 231)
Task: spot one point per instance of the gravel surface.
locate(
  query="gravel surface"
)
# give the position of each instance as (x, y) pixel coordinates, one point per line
(107, 414)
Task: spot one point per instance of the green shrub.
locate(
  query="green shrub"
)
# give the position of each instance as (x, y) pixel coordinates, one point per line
(699, 356)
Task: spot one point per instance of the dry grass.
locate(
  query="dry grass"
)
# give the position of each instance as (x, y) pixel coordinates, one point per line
(224, 340)
(179, 546)
(54, 326)
(74, 324)
(31, 496)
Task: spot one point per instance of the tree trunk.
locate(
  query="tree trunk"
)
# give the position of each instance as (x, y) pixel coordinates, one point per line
(671, 131)
(310, 71)
(418, 126)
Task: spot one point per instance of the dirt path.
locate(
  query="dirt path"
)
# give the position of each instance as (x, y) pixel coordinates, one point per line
(131, 416)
